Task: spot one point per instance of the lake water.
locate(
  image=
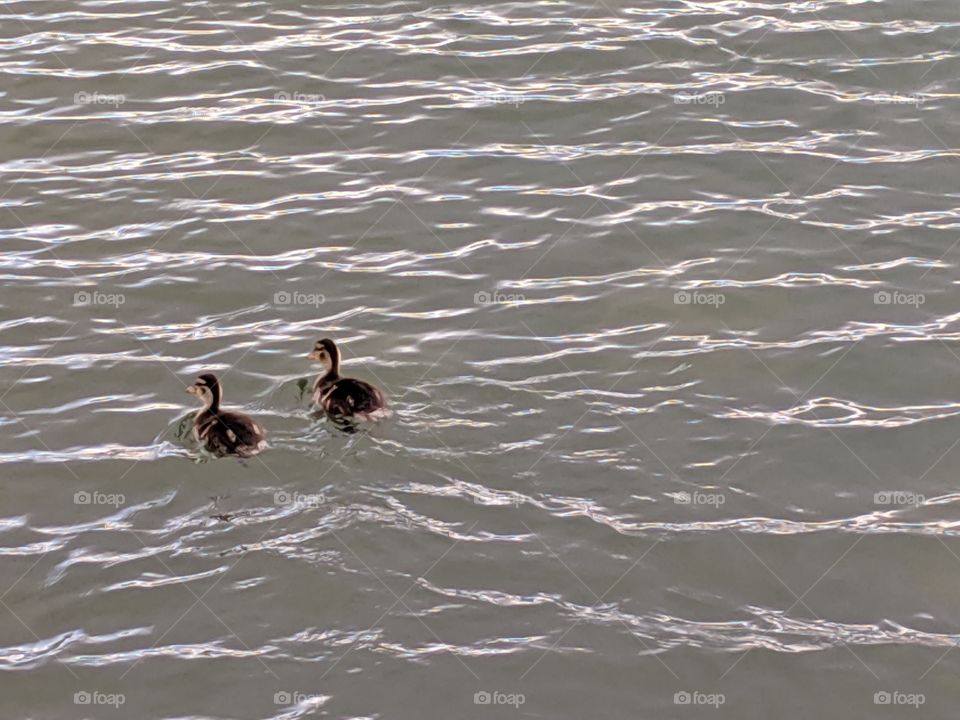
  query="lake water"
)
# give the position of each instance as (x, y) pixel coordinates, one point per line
(663, 295)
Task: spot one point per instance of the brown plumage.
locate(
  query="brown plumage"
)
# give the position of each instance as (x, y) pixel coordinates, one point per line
(338, 396)
(223, 432)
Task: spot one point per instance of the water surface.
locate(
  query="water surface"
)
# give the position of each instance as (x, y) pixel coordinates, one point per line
(662, 294)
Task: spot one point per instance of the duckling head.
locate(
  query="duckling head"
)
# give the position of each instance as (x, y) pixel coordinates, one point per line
(207, 388)
(326, 353)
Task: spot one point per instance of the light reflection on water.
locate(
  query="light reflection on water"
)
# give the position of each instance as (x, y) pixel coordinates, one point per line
(661, 297)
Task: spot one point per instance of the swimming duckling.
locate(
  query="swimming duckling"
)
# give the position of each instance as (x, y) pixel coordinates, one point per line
(342, 397)
(223, 432)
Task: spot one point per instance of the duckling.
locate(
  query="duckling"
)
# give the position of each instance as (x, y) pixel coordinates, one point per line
(342, 397)
(221, 431)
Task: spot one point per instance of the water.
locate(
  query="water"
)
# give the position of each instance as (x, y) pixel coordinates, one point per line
(662, 295)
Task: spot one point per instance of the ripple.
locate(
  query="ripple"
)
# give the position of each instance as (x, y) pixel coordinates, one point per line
(492, 207)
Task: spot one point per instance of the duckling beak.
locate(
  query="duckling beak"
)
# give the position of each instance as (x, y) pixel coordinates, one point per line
(315, 355)
(193, 390)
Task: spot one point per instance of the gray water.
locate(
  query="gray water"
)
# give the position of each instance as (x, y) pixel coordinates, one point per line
(663, 298)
